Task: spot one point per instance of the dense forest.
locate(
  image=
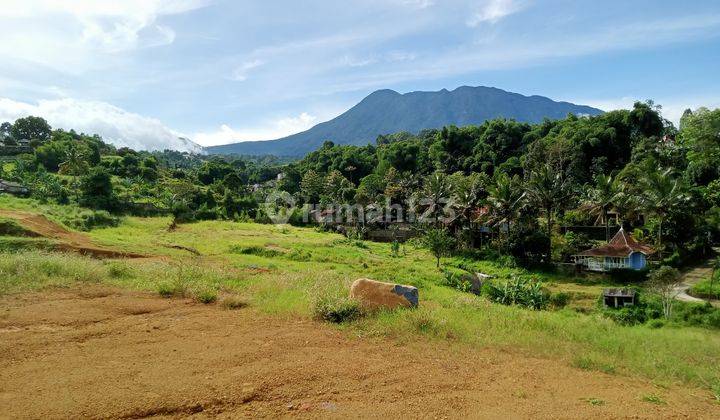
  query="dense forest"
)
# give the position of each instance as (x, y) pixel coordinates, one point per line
(522, 182)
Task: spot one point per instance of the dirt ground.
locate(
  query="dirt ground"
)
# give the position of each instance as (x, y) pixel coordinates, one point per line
(40, 226)
(104, 352)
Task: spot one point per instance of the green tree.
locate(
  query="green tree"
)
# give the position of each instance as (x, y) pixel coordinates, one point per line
(96, 190)
(75, 162)
(601, 198)
(438, 242)
(664, 281)
(436, 193)
(548, 190)
(31, 128)
(311, 187)
(661, 193)
(505, 201)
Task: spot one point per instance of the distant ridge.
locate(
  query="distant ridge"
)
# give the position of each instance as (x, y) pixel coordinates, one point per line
(386, 111)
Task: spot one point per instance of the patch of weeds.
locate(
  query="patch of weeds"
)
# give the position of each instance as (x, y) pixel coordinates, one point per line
(653, 399)
(594, 401)
(255, 250)
(165, 289)
(588, 363)
(299, 255)
(333, 306)
(119, 270)
(656, 323)
(233, 302)
(423, 322)
(715, 389)
(520, 394)
(206, 296)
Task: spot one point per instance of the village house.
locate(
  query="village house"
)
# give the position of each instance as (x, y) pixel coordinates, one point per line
(621, 252)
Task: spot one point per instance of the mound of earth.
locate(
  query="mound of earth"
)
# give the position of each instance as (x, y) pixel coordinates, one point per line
(103, 352)
(38, 225)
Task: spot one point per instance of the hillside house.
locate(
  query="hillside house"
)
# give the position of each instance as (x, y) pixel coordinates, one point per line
(621, 252)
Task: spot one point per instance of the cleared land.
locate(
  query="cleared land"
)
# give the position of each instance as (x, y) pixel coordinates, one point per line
(96, 351)
(91, 337)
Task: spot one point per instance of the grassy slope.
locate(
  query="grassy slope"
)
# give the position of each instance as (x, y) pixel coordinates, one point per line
(307, 261)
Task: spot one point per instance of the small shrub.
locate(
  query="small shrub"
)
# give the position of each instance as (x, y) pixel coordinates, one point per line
(233, 302)
(395, 248)
(457, 281)
(166, 289)
(519, 291)
(206, 296)
(559, 300)
(299, 255)
(336, 309)
(255, 250)
(656, 323)
(119, 270)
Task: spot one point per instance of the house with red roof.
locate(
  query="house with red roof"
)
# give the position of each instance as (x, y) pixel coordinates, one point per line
(621, 252)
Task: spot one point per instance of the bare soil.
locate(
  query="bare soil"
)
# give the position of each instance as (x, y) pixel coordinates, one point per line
(95, 351)
(40, 226)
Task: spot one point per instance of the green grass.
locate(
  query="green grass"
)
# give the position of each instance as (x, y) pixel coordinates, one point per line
(707, 289)
(70, 216)
(281, 271)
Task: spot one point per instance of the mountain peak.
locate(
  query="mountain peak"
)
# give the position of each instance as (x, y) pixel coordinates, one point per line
(386, 111)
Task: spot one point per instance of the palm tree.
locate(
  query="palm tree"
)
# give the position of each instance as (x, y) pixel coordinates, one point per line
(548, 190)
(436, 193)
(75, 164)
(506, 200)
(601, 198)
(661, 193)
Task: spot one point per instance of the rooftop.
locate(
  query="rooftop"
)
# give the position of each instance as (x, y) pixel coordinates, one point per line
(621, 245)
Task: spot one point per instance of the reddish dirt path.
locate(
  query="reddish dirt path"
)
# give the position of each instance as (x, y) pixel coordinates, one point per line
(99, 352)
(39, 225)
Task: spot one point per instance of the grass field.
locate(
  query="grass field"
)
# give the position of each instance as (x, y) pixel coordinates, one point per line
(280, 270)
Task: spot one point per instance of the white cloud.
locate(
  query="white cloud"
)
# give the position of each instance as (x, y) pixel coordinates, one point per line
(115, 125)
(69, 35)
(420, 4)
(240, 73)
(494, 10)
(273, 130)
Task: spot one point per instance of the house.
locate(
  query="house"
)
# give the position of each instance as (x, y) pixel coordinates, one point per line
(621, 252)
(13, 188)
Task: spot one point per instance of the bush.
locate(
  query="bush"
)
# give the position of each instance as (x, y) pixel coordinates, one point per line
(255, 250)
(627, 276)
(519, 291)
(336, 309)
(458, 281)
(90, 219)
(559, 300)
(233, 302)
(206, 296)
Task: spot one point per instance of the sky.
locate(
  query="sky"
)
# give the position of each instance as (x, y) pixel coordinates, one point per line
(143, 72)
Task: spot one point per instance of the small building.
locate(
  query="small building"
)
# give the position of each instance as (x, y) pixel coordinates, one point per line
(618, 298)
(621, 252)
(13, 188)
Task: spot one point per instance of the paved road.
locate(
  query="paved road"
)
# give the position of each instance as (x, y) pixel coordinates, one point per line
(694, 276)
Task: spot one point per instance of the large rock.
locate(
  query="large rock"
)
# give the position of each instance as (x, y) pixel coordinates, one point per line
(375, 295)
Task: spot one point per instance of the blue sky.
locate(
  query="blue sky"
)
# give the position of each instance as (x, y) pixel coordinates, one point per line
(141, 72)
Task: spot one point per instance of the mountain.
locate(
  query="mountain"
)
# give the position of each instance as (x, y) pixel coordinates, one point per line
(387, 111)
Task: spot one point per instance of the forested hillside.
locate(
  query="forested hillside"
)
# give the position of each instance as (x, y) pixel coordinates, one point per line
(661, 182)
